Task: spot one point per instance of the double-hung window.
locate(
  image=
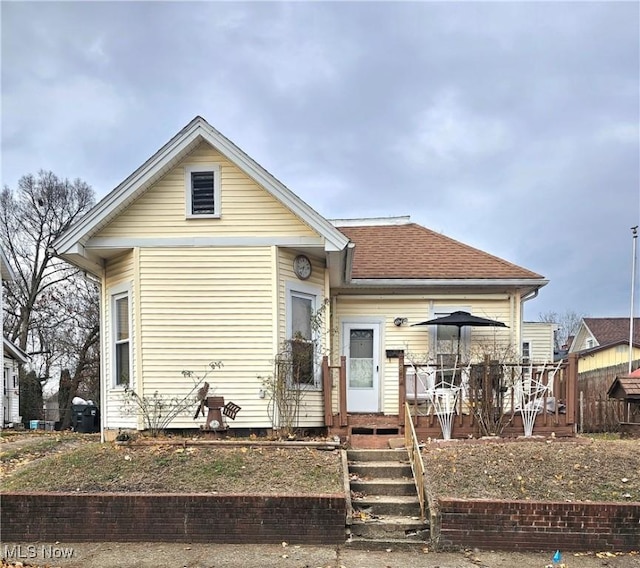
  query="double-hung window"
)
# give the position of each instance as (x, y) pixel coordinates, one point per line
(121, 339)
(202, 191)
(302, 338)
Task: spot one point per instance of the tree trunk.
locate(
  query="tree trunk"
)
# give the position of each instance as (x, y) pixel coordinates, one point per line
(66, 391)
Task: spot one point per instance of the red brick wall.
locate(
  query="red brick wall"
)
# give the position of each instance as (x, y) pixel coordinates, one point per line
(100, 517)
(525, 525)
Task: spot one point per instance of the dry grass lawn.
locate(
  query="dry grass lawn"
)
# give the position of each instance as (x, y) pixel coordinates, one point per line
(553, 470)
(584, 469)
(45, 465)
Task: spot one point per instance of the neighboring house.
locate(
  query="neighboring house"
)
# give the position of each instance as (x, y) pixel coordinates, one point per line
(203, 255)
(604, 342)
(10, 358)
(538, 341)
(13, 357)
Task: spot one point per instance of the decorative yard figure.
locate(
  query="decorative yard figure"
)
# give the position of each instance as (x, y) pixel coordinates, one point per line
(202, 399)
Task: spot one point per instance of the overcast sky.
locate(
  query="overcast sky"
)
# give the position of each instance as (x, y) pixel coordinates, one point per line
(513, 127)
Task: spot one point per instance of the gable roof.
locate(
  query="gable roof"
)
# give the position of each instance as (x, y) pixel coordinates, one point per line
(167, 157)
(607, 331)
(411, 251)
(13, 351)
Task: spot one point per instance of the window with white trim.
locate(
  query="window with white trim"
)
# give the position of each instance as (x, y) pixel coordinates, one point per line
(202, 191)
(121, 339)
(526, 352)
(302, 338)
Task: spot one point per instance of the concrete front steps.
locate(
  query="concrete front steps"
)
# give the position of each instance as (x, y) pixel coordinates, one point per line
(385, 505)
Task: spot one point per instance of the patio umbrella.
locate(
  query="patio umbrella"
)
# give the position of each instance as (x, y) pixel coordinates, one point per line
(462, 319)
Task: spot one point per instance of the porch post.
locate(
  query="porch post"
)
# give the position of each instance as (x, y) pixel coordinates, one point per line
(572, 388)
(343, 391)
(327, 392)
(401, 390)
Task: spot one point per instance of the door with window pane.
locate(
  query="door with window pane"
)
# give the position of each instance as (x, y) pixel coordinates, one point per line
(361, 348)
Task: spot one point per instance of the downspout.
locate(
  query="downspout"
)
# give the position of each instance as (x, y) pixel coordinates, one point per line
(348, 262)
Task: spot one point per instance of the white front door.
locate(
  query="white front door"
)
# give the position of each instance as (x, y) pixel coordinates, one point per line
(361, 346)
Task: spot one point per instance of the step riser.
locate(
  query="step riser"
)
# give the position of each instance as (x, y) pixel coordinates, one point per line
(376, 488)
(381, 508)
(390, 544)
(386, 532)
(377, 455)
(381, 471)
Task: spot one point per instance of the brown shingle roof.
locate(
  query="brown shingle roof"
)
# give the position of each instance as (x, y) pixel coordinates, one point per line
(411, 251)
(625, 388)
(611, 330)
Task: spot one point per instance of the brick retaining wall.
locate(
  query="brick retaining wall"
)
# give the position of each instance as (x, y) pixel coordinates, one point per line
(526, 525)
(136, 517)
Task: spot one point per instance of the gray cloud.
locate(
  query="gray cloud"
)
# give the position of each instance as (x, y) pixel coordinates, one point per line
(510, 126)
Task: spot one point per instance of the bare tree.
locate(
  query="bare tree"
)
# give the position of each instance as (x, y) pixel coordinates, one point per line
(32, 217)
(568, 324)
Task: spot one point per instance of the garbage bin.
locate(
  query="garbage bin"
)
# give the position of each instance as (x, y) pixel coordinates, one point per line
(86, 418)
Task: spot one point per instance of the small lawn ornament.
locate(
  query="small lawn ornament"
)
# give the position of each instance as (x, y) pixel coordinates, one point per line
(217, 410)
(202, 399)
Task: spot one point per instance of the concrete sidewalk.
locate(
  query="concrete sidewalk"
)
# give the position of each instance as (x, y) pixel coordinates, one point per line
(162, 555)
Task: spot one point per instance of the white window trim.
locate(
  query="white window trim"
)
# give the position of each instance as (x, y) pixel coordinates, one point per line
(209, 167)
(116, 293)
(315, 294)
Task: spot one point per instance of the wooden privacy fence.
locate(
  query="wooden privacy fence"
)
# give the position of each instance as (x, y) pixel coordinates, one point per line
(596, 411)
(599, 413)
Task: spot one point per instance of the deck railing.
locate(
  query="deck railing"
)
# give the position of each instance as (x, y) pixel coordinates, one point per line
(491, 396)
(415, 458)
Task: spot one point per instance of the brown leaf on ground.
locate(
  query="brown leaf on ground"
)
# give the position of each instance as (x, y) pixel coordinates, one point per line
(572, 470)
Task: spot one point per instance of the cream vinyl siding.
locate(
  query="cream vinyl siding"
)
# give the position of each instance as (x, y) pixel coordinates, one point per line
(246, 208)
(614, 355)
(119, 271)
(413, 340)
(312, 402)
(540, 338)
(199, 305)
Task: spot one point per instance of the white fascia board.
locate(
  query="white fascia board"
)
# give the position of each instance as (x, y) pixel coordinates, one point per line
(14, 351)
(348, 263)
(6, 273)
(128, 189)
(335, 240)
(416, 282)
(372, 221)
(97, 244)
(84, 262)
(171, 152)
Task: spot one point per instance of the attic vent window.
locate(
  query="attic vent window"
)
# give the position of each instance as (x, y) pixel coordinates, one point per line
(202, 188)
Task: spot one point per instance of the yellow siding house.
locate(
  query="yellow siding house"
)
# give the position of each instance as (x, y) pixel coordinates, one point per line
(205, 256)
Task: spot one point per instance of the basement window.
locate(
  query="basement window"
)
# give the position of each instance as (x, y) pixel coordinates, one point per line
(202, 191)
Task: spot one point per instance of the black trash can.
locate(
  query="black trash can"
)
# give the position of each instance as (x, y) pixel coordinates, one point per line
(86, 418)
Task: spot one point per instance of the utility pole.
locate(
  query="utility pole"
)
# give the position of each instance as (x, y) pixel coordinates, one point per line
(634, 232)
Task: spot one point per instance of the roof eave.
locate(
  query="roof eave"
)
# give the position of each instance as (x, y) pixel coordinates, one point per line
(529, 284)
(6, 273)
(14, 351)
(198, 129)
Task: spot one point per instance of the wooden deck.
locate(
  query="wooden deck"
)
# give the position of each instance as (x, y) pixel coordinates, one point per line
(375, 430)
